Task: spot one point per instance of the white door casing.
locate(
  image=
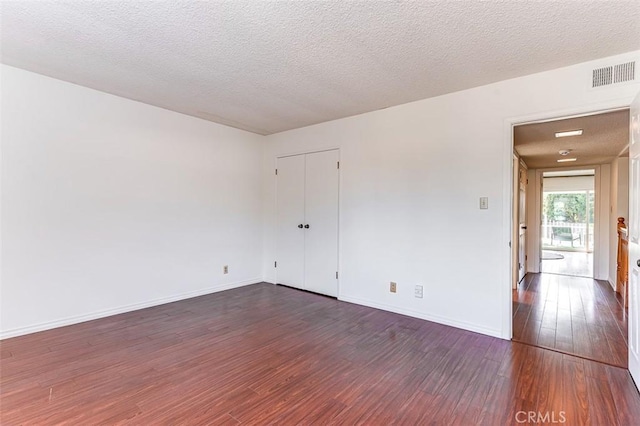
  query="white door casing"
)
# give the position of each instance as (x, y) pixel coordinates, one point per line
(634, 241)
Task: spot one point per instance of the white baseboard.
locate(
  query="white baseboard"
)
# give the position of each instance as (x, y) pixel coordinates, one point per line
(612, 283)
(20, 331)
(421, 315)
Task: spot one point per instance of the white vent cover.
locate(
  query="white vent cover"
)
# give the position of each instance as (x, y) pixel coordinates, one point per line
(613, 74)
(624, 72)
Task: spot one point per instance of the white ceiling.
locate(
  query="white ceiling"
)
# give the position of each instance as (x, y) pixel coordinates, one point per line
(272, 66)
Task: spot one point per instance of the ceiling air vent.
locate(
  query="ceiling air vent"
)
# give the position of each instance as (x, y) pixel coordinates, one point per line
(624, 72)
(613, 74)
(602, 77)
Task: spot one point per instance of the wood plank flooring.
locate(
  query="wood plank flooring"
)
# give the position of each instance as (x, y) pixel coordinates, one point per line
(266, 354)
(578, 316)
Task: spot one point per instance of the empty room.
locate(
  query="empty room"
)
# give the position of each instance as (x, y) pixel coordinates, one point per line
(319, 212)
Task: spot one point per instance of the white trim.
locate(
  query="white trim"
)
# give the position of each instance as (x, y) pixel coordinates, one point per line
(421, 315)
(505, 263)
(122, 309)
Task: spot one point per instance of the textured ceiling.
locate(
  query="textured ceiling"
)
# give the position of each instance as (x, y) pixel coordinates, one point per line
(604, 137)
(272, 66)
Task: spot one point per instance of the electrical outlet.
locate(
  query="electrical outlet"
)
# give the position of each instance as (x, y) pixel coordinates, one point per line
(392, 287)
(225, 269)
(418, 291)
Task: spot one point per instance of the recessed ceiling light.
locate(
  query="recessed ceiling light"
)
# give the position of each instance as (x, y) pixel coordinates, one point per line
(566, 160)
(569, 133)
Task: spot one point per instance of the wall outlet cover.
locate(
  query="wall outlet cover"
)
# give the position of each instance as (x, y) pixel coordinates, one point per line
(418, 292)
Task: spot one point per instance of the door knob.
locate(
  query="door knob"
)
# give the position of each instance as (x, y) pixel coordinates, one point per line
(307, 227)
(300, 226)
(638, 263)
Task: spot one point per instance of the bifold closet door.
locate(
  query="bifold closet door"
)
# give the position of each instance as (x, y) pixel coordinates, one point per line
(307, 222)
(290, 221)
(321, 215)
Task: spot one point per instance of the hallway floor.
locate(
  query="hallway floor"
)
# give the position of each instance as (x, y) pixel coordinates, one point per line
(579, 264)
(573, 315)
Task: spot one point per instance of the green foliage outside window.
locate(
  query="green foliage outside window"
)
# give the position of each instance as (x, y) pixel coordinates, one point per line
(569, 208)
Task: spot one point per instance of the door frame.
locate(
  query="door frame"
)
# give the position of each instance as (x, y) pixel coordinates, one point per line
(506, 259)
(275, 203)
(515, 167)
(515, 220)
(537, 219)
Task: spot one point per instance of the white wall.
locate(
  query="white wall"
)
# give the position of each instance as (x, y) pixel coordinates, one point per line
(613, 232)
(411, 177)
(604, 219)
(109, 204)
(623, 188)
(619, 208)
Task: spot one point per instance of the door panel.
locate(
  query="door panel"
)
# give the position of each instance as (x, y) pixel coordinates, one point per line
(634, 241)
(290, 214)
(321, 214)
(522, 232)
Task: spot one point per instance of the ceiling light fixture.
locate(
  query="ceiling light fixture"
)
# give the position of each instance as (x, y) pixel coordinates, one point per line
(564, 152)
(569, 133)
(566, 160)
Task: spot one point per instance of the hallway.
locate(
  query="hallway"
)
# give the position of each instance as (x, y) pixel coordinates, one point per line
(574, 315)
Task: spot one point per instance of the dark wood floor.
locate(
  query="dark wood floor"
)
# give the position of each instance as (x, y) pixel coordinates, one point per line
(579, 316)
(265, 354)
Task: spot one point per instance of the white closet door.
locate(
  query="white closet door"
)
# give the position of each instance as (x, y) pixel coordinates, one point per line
(290, 217)
(321, 215)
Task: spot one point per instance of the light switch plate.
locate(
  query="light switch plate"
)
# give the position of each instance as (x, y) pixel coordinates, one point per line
(484, 203)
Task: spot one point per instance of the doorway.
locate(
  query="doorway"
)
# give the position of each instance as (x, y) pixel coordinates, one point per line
(567, 300)
(568, 222)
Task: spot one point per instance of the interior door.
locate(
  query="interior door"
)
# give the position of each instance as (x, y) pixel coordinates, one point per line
(290, 221)
(522, 244)
(634, 241)
(522, 228)
(321, 222)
